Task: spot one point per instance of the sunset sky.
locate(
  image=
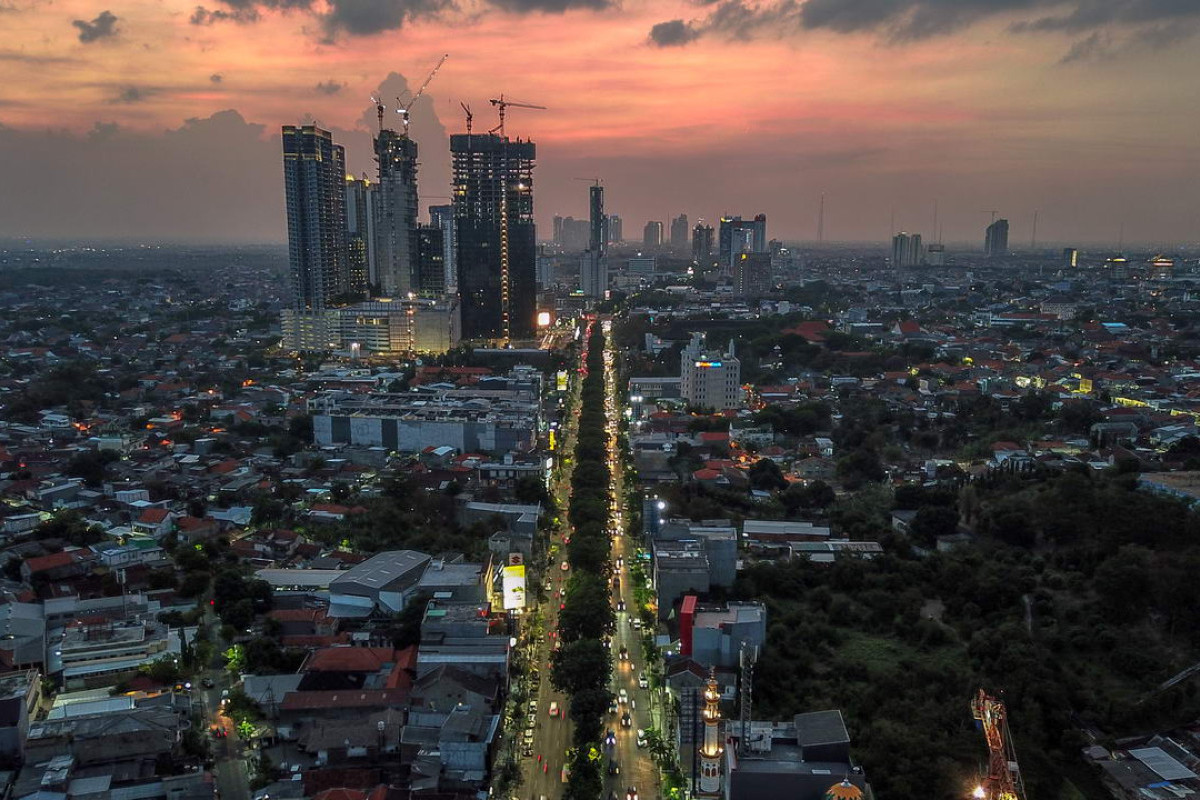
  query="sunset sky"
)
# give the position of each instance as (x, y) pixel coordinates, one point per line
(159, 120)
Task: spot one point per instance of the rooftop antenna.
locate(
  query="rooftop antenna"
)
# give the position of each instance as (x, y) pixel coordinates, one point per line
(1033, 238)
(935, 217)
(993, 212)
(893, 222)
(1121, 239)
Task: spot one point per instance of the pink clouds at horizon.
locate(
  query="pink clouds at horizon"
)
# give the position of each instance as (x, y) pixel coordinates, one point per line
(981, 113)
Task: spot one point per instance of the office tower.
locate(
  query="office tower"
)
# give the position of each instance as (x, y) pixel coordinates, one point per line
(737, 236)
(935, 256)
(574, 234)
(906, 250)
(752, 274)
(759, 244)
(558, 229)
(593, 264)
(544, 269)
(314, 174)
(710, 379)
(443, 217)
(596, 222)
(1070, 257)
(496, 236)
(615, 232)
(360, 234)
(995, 242)
(593, 274)
(679, 232)
(396, 216)
(429, 262)
(702, 243)
(652, 234)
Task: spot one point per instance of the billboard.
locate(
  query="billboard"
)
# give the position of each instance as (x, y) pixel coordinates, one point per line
(514, 587)
(561, 380)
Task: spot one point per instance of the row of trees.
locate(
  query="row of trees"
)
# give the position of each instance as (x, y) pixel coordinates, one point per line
(581, 668)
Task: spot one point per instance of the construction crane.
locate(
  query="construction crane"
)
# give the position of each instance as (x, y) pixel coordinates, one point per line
(379, 109)
(403, 109)
(503, 103)
(993, 212)
(1003, 781)
(593, 181)
(470, 116)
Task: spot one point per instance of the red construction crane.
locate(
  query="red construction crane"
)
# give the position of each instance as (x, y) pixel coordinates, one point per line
(1003, 781)
(503, 103)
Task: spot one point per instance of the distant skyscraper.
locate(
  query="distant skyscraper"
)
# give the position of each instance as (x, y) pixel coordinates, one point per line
(429, 259)
(314, 172)
(679, 232)
(396, 216)
(652, 234)
(596, 221)
(752, 274)
(593, 264)
(935, 256)
(906, 250)
(737, 236)
(496, 237)
(558, 229)
(702, 243)
(443, 217)
(1070, 257)
(360, 234)
(759, 243)
(995, 241)
(615, 232)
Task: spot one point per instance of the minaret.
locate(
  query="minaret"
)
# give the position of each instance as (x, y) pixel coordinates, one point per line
(712, 749)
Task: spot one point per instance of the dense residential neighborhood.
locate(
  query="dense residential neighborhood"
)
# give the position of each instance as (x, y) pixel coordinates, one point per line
(235, 570)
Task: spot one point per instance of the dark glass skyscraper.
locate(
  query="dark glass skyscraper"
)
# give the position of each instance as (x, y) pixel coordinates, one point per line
(496, 236)
(360, 230)
(314, 174)
(995, 241)
(429, 256)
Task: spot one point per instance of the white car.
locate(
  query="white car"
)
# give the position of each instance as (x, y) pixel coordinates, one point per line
(641, 738)
(622, 697)
(554, 708)
(642, 682)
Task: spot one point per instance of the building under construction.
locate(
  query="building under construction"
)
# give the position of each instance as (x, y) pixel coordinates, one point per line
(496, 238)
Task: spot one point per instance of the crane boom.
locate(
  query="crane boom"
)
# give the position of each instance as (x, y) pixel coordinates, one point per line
(403, 108)
(503, 103)
(1004, 774)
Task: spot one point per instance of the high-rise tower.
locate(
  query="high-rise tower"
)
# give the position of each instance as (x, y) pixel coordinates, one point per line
(995, 241)
(314, 173)
(396, 215)
(713, 747)
(443, 217)
(702, 244)
(593, 264)
(360, 234)
(495, 233)
(679, 233)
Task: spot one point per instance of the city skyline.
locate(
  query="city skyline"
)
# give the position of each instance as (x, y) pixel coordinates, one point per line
(980, 109)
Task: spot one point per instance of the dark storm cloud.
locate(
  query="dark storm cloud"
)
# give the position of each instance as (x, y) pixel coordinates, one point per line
(216, 77)
(206, 16)
(1091, 47)
(908, 20)
(102, 27)
(127, 95)
(672, 33)
(366, 17)
(551, 6)
(329, 87)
